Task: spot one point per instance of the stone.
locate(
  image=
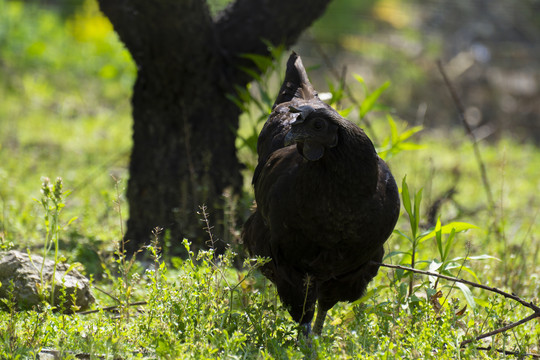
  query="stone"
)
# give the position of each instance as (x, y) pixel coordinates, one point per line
(20, 281)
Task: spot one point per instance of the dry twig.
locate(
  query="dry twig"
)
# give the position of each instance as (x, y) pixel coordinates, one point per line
(530, 305)
(502, 329)
(461, 113)
(111, 308)
(506, 352)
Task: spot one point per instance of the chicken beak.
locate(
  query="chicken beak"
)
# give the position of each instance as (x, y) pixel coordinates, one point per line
(290, 138)
(296, 134)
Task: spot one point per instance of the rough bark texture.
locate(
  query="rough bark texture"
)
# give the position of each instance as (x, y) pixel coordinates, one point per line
(184, 126)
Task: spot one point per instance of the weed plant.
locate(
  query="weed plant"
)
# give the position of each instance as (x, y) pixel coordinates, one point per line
(203, 307)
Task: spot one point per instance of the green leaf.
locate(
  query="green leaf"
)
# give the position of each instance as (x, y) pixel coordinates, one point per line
(446, 229)
(449, 243)
(70, 221)
(402, 234)
(434, 266)
(394, 253)
(71, 267)
(249, 141)
(336, 92)
(409, 146)
(371, 99)
(406, 260)
(252, 73)
(417, 201)
(236, 100)
(345, 112)
(482, 303)
(438, 237)
(262, 62)
(276, 52)
(359, 78)
(480, 257)
(268, 101)
(471, 271)
(467, 293)
(410, 132)
(405, 196)
(454, 265)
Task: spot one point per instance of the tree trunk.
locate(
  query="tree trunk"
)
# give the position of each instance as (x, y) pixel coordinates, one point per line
(184, 127)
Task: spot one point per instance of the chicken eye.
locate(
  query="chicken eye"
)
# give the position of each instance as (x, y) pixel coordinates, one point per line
(318, 124)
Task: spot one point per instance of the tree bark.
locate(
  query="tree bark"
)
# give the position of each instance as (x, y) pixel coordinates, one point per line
(184, 127)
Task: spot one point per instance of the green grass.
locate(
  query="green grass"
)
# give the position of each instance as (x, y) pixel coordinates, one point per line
(64, 102)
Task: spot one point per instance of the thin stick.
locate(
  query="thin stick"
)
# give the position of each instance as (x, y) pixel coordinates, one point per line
(461, 113)
(502, 329)
(107, 293)
(530, 305)
(459, 272)
(111, 308)
(308, 284)
(506, 352)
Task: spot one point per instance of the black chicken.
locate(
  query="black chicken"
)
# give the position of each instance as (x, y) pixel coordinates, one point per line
(326, 203)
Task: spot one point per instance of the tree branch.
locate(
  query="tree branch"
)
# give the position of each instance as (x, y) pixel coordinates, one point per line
(244, 24)
(124, 12)
(150, 28)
